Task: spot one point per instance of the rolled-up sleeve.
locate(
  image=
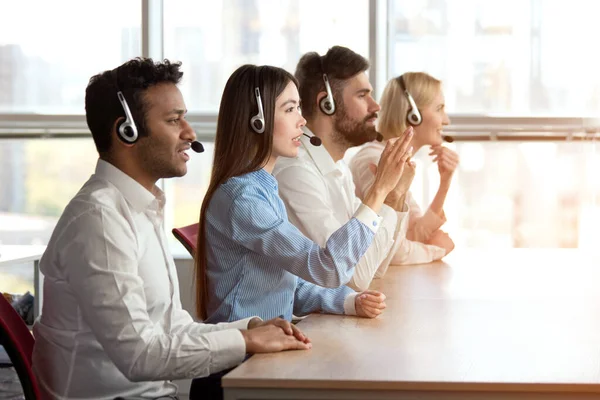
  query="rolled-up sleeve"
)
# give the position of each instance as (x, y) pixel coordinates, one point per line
(421, 226)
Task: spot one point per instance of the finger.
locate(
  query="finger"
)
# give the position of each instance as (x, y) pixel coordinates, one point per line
(290, 343)
(450, 156)
(379, 305)
(372, 312)
(369, 298)
(374, 293)
(286, 326)
(448, 165)
(372, 301)
(298, 334)
(389, 146)
(401, 148)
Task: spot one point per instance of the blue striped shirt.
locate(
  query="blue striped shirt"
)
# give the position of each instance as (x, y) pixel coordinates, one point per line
(260, 264)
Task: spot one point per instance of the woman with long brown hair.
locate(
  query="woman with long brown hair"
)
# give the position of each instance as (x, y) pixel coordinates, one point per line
(250, 260)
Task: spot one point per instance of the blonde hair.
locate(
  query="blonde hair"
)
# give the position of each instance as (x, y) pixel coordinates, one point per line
(394, 104)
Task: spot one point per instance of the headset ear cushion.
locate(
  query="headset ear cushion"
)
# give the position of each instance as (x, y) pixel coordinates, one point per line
(326, 106)
(414, 118)
(128, 132)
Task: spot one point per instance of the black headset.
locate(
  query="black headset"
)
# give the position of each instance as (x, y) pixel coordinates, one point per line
(257, 123)
(413, 117)
(327, 104)
(126, 130)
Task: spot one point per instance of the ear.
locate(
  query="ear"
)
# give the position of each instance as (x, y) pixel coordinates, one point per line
(320, 96)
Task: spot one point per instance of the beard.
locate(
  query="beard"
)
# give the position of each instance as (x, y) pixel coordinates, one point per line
(351, 132)
(158, 161)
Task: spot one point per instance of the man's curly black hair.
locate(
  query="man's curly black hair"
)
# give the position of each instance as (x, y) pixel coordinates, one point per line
(133, 78)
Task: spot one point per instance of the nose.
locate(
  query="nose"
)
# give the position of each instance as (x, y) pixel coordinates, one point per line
(188, 132)
(446, 120)
(374, 106)
(301, 122)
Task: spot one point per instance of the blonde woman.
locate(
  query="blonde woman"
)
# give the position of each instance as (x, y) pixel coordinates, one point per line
(414, 99)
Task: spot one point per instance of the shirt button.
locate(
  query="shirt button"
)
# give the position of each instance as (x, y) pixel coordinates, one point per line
(374, 223)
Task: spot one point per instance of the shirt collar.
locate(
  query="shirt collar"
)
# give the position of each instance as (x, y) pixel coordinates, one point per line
(319, 154)
(133, 192)
(264, 178)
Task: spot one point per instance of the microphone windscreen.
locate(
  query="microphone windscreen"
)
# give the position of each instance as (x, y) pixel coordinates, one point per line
(448, 139)
(197, 146)
(315, 141)
(379, 137)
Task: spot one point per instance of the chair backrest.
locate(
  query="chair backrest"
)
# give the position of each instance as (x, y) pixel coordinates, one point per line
(188, 236)
(18, 343)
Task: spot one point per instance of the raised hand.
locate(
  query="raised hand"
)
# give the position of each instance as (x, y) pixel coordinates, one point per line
(392, 162)
(446, 159)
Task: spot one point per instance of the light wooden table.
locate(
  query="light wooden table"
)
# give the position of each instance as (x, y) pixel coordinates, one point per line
(20, 254)
(481, 325)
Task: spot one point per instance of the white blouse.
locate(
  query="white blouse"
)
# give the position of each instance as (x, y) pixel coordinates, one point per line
(412, 248)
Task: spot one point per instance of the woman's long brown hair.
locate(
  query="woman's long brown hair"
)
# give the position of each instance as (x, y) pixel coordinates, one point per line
(238, 149)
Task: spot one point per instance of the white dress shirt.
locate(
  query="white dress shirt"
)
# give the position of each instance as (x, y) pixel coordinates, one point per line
(411, 248)
(319, 197)
(112, 322)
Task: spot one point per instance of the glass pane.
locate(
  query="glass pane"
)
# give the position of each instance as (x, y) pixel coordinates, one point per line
(48, 57)
(518, 194)
(38, 178)
(493, 59)
(213, 38)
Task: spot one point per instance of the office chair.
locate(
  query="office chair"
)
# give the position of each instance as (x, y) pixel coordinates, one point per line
(188, 236)
(18, 343)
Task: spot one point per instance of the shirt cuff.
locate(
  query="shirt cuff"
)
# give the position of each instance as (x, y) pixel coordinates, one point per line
(227, 349)
(350, 304)
(241, 324)
(368, 217)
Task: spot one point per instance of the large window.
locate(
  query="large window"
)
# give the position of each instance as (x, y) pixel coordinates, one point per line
(50, 49)
(507, 57)
(39, 177)
(213, 38)
(519, 194)
(492, 59)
